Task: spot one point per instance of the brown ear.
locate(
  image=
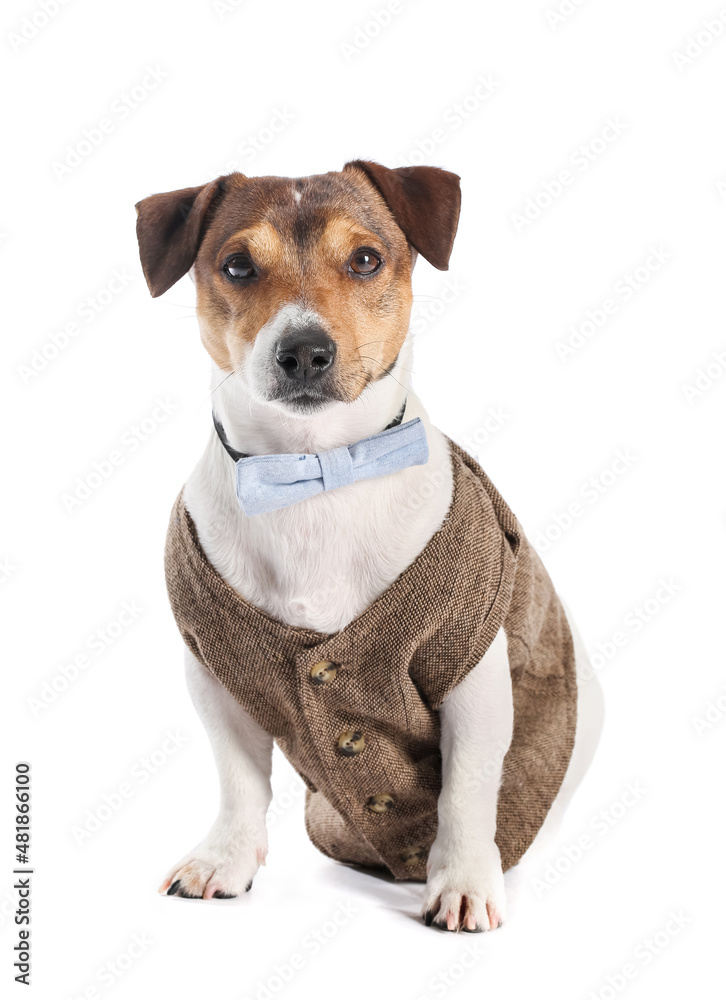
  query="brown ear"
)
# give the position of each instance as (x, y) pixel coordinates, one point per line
(424, 201)
(169, 228)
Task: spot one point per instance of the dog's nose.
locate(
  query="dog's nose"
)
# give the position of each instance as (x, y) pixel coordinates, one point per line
(305, 356)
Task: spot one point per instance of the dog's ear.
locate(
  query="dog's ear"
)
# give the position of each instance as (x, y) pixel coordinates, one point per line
(424, 201)
(169, 228)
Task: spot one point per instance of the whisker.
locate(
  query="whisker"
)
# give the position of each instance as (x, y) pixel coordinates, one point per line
(391, 375)
(233, 372)
(365, 357)
(361, 346)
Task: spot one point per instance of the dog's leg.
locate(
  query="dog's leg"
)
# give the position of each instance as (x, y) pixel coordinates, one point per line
(465, 888)
(226, 861)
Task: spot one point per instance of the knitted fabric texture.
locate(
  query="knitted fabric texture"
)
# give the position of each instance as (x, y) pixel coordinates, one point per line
(392, 667)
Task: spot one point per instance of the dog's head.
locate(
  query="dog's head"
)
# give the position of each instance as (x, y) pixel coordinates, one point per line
(303, 285)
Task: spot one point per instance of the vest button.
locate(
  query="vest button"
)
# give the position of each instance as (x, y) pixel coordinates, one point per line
(324, 672)
(351, 742)
(381, 803)
(412, 856)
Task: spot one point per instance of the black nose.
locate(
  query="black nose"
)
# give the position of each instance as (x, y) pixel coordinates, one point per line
(305, 356)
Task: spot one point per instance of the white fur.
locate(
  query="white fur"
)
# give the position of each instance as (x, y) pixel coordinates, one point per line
(228, 857)
(476, 730)
(319, 564)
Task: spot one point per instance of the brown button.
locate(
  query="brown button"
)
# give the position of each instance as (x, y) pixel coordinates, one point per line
(324, 672)
(381, 803)
(351, 742)
(413, 856)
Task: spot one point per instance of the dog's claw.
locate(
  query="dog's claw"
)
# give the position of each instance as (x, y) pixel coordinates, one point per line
(172, 890)
(495, 919)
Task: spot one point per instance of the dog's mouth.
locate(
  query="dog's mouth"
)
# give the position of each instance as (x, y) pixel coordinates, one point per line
(318, 394)
(306, 400)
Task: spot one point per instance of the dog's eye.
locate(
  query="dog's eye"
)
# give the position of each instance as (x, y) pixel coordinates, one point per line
(238, 267)
(364, 262)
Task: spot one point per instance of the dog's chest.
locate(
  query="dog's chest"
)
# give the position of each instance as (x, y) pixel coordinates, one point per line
(320, 563)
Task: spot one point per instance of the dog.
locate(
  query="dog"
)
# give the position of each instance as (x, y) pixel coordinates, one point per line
(327, 514)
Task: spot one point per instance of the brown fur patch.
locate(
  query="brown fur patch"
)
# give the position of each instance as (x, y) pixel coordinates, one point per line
(300, 234)
(301, 251)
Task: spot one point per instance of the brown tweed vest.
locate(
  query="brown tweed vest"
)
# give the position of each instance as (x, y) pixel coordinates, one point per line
(355, 712)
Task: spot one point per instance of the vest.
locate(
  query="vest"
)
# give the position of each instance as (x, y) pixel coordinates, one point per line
(355, 712)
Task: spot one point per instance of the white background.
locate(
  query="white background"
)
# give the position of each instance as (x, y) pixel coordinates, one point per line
(226, 76)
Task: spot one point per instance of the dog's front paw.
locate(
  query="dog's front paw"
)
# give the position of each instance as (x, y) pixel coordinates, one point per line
(465, 889)
(218, 868)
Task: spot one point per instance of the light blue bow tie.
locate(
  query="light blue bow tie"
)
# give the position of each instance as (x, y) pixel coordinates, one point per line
(269, 482)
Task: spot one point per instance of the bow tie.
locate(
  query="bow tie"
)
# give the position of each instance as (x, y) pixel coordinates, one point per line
(269, 482)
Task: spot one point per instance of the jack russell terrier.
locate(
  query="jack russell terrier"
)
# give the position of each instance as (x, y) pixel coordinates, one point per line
(348, 582)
